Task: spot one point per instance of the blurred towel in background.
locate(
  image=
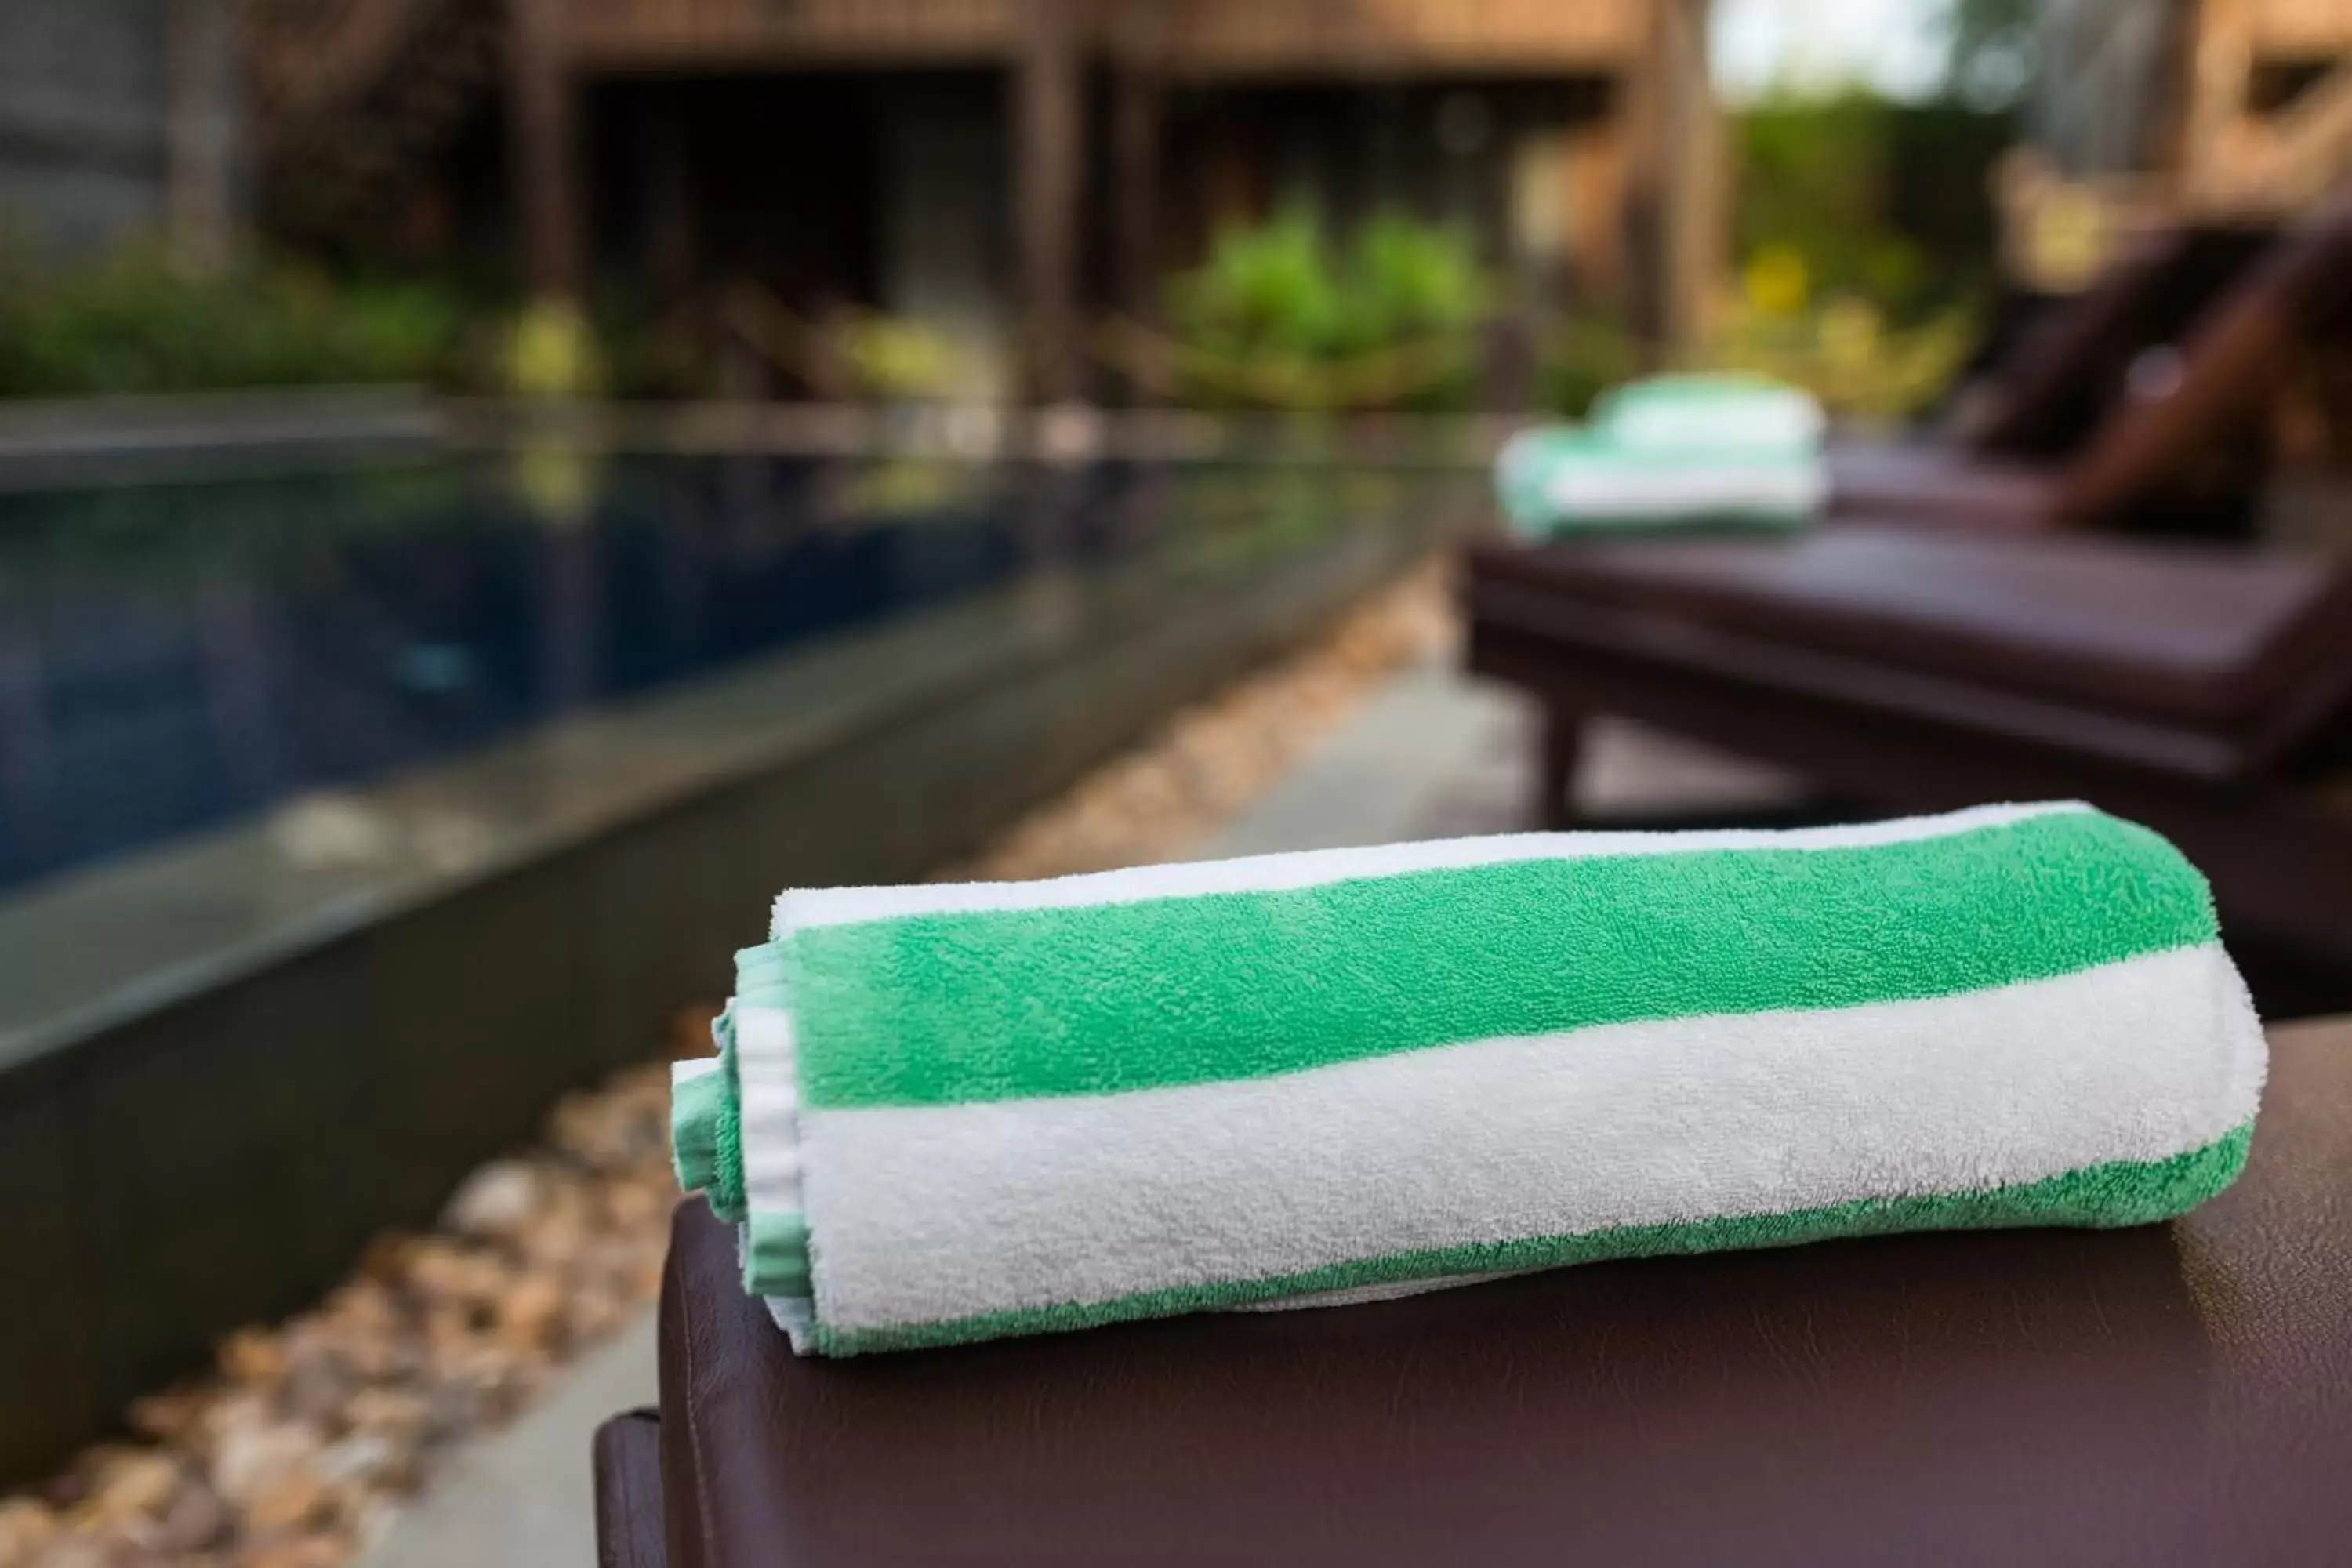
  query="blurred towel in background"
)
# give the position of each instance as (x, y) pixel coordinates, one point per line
(1673, 451)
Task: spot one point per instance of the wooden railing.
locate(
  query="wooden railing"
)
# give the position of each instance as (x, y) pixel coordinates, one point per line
(2301, 29)
(2235, 159)
(2279, 163)
(623, 33)
(1186, 36)
(1500, 36)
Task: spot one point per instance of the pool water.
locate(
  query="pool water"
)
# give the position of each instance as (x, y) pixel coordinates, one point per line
(176, 655)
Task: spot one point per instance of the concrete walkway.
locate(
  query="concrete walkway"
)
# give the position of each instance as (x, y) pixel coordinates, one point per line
(1430, 755)
(523, 1498)
(1436, 755)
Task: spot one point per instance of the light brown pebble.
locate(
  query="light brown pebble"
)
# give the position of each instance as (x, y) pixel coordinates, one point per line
(128, 1484)
(253, 1460)
(253, 1356)
(400, 1416)
(496, 1200)
(84, 1551)
(27, 1525)
(449, 1273)
(292, 1500)
(173, 1415)
(531, 1314)
(297, 1551)
(194, 1520)
(367, 1461)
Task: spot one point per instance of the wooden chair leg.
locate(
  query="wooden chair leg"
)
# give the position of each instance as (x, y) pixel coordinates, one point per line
(1563, 742)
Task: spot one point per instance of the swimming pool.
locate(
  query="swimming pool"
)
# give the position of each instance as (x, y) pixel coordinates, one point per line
(177, 655)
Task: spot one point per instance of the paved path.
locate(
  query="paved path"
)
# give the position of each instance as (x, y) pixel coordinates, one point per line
(1435, 755)
(523, 1498)
(1429, 755)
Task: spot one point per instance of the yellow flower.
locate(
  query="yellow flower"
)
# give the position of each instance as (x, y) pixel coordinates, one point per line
(1776, 282)
(552, 352)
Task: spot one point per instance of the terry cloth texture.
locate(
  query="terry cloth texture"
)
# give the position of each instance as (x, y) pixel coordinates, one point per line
(1695, 451)
(986, 1108)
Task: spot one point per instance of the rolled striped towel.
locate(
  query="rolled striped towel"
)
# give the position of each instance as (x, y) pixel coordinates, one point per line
(949, 1112)
(1716, 450)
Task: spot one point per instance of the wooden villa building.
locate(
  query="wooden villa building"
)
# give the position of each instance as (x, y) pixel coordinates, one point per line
(1001, 171)
(2152, 112)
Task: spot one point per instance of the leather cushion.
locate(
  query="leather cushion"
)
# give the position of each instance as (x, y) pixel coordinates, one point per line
(2209, 636)
(2171, 1395)
(1925, 482)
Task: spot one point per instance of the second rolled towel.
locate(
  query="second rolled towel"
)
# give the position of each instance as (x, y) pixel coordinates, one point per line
(953, 1112)
(1670, 452)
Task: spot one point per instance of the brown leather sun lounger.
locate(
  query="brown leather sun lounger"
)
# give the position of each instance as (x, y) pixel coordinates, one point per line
(2065, 375)
(2138, 410)
(2174, 1395)
(2198, 689)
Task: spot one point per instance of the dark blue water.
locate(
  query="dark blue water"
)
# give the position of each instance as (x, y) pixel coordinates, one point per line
(174, 657)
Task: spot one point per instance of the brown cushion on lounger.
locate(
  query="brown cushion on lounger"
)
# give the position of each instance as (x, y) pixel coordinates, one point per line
(2200, 635)
(2171, 1394)
(1924, 482)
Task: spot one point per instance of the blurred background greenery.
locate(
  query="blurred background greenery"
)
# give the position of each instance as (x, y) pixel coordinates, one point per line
(1284, 315)
(132, 321)
(1861, 265)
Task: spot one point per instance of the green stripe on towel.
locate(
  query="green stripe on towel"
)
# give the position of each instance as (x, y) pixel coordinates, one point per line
(941, 1009)
(776, 1255)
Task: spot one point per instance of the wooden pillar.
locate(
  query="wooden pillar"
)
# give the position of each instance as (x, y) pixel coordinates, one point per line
(666, 200)
(1138, 113)
(2172, 92)
(204, 87)
(1675, 197)
(2213, 133)
(1047, 112)
(545, 164)
(1594, 170)
(1697, 189)
(1638, 109)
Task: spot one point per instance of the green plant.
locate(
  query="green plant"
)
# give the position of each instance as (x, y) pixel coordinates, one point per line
(1279, 317)
(132, 322)
(1269, 289)
(1847, 355)
(552, 352)
(1866, 233)
(1884, 201)
(1403, 280)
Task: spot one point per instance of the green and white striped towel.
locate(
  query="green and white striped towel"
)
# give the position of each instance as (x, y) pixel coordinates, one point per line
(949, 1112)
(1671, 451)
